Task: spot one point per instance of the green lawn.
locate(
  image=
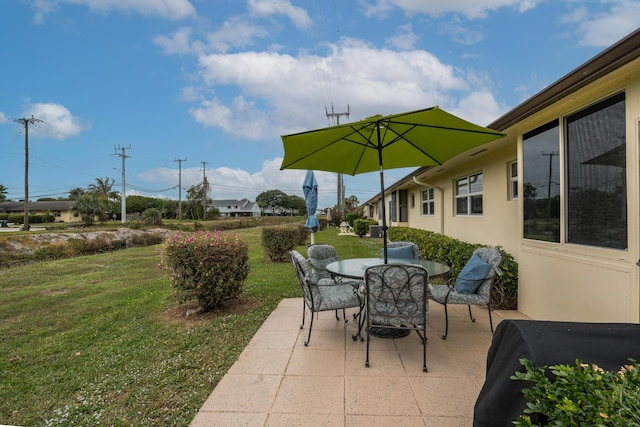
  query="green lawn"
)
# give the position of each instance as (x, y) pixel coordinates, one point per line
(96, 340)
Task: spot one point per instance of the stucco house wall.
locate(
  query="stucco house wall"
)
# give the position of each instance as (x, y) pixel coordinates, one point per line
(561, 281)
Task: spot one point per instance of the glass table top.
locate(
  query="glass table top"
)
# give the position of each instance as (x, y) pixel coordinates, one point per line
(354, 268)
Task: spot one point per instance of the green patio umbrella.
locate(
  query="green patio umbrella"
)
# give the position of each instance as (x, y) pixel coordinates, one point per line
(426, 137)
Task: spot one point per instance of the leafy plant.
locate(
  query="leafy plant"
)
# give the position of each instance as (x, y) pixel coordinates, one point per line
(455, 253)
(208, 266)
(580, 395)
(152, 216)
(278, 241)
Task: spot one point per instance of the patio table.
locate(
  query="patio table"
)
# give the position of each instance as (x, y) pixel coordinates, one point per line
(354, 269)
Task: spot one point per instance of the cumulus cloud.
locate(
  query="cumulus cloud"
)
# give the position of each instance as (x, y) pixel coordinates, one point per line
(605, 28)
(280, 93)
(57, 121)
(228, 183)
(404, 39)
(167, 9)
(472, 9)
(266, 8)
(3, 118)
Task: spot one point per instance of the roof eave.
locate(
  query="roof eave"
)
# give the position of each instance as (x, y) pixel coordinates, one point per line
(624, 51)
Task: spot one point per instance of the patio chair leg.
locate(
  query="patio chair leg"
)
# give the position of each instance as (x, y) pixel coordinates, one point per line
(490, 319)
(471, 315)
(366, 362)
(304, 307)
(310, 327)
(361, 319)
(337, 317)
(446, 323)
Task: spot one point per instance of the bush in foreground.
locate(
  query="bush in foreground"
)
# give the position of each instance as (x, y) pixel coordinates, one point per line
(210, 267)
(580, 395)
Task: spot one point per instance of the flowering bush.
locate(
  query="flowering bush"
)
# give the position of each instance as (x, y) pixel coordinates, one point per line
(208, 266)
(581, 395)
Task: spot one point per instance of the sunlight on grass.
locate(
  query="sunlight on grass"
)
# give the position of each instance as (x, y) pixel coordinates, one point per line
(86, 341)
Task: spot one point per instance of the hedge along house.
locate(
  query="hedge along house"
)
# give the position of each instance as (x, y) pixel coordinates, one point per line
(560, 192)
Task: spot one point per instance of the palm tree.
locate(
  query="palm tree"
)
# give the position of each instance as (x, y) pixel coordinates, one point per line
(75, 193)
(103, 188)
(3, 193)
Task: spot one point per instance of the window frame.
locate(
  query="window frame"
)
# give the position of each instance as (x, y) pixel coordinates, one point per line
(469, 196)
(513, 180)
(429, 202)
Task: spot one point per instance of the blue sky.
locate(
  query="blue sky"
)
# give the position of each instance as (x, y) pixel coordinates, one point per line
(218, 81)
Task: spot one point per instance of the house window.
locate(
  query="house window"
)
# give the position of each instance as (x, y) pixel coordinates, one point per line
(427, 202)
(541, 183)
(513, 181)
(392, 207)
(594, 170)
(403, 206)
(469, 195)
(413, 200)
(596, 175)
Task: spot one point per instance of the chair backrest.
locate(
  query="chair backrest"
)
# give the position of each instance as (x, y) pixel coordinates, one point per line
(302, 270)
(320, 255)
(397, 294)
(494, 258)
(416, 248)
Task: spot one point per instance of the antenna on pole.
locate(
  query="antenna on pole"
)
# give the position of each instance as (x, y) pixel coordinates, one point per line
(180, 185)
(123, 207)
(25, 122)
(341, 198)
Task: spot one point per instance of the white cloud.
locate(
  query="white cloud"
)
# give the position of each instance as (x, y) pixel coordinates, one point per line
(604, 29)
(472, 9)
(235, 33)
(179, 42)
(3, 118)
(167, 9)
(279, 93)
(228, 183)
(404, 39)
(267, 8)
(57, 121)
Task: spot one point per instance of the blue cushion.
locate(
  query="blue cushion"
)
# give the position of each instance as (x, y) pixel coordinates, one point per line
(400, 252)
(472, 275)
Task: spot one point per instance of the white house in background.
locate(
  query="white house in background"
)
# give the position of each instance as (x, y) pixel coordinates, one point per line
(236, 208)
(560, 192)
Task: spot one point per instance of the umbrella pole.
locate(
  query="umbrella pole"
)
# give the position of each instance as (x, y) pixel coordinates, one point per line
(383, 209)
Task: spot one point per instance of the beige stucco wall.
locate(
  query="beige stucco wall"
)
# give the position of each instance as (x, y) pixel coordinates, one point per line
(498, 225)
(583, 283)
(557, 281)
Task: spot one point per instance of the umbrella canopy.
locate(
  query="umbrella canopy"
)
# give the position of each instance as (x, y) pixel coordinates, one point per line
(426, 137)
(310, 190)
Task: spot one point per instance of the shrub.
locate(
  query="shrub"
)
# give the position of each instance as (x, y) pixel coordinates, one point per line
(57, 250)
(361, 226)
(208, 266)
(302, 234)
(278, 241)
(581, 395)
(152, 216)
(455, 253)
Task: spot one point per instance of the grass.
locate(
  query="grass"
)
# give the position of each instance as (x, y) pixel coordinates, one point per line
(99, 340)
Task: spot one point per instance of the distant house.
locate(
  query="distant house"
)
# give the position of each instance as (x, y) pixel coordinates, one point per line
(60, 209)
(236, 208)
(559, 192)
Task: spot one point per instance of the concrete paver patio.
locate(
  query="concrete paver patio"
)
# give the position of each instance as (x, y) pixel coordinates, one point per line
(277, 381)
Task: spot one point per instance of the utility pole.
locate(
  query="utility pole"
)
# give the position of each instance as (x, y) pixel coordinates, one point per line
(205, 188)
(25, 122)
(341, 198)
(551, 154)
(180, 185)
(123, 208)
